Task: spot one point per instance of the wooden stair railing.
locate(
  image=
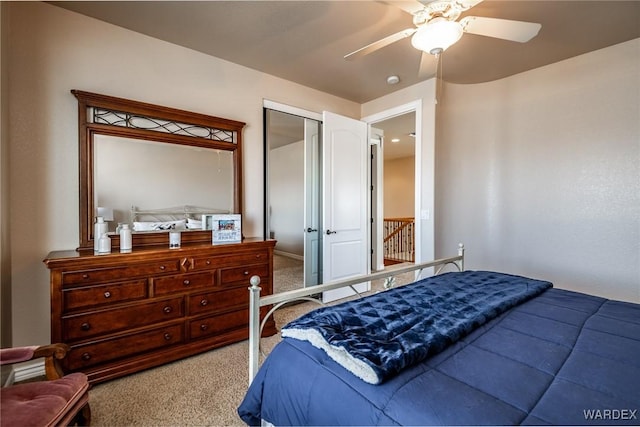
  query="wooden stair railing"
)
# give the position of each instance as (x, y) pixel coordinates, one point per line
(399, 238)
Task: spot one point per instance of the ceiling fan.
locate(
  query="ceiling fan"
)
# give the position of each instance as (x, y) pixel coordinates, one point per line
(437, 28)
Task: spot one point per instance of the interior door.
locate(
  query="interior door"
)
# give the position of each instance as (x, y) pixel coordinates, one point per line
(312, 225)
(376, 140)
(344, 201)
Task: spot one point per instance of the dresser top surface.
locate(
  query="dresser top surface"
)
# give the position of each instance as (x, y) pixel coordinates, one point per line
(64, 256)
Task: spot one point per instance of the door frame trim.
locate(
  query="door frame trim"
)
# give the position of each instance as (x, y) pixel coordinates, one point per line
(284, 108)
(410, 107)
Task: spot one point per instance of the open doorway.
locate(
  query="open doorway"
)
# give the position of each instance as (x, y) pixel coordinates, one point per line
(398, 188)
(395, 140)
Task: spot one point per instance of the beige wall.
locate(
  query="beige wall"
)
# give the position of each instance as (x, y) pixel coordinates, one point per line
(539, 173)
(53, 51)
(5, 248)
(399, 187)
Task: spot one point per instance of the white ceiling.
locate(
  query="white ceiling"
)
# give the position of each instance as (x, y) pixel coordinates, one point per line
(305, 41)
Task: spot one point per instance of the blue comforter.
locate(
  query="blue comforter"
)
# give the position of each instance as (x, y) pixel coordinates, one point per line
(377, 337)
(559, 358)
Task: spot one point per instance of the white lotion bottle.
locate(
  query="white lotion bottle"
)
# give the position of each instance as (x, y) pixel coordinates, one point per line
(125, 239)
(100, 228)
(104, 245)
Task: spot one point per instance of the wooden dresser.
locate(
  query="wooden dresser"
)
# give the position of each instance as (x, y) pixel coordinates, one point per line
(121, 313)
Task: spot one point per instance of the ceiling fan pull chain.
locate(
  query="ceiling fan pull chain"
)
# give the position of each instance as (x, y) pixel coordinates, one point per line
(438, 76)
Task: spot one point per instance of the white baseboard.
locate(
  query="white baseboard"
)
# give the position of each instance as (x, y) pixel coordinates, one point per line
(27, 371)
(11, 378)
(289, 255)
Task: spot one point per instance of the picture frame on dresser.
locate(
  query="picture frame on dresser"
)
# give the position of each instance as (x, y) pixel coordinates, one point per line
(225, 229)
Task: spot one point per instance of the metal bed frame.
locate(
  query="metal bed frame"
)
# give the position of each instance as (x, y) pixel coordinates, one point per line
(309, 294)
(174, 213)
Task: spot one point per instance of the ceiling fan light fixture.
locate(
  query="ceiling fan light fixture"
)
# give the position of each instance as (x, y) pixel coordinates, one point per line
(436, 36)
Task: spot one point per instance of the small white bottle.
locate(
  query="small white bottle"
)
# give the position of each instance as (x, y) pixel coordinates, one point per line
(125, 239)
(104, 244)
(174, 240)
(100, 228)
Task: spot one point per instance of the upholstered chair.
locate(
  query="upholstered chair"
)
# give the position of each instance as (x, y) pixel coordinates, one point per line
(59, 400)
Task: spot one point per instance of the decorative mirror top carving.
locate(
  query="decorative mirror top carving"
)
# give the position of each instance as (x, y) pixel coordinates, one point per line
(128, 123)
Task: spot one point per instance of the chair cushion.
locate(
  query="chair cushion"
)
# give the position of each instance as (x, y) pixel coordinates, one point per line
(17, 354)
(42, 403)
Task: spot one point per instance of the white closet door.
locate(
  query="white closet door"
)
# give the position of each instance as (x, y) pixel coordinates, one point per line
(312, 225)
(344, 201)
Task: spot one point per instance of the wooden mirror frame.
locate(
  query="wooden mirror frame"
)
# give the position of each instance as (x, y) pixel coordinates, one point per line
(231, 140)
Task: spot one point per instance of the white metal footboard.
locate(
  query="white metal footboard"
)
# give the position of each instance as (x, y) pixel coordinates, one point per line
(305, 294)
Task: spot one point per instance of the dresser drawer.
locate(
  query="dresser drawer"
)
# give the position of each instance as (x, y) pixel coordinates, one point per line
(95, 296)
(82, 356)
(118, 319)
(218, 324)
(122, 313)
(256, 257)
(241, 275)
(182, 283)
(119, 273)
(220, 300)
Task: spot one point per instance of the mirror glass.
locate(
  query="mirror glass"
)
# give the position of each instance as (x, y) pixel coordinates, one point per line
(149, 165)
(292, 198)
(151, 176)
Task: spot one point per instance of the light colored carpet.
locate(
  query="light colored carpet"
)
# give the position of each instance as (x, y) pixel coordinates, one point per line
(288, 273)
(203, 390)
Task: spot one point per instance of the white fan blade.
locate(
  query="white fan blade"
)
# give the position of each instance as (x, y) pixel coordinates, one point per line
(428, 64)
(467, 4)
(409, 6)
(517, 31)
(380, 44)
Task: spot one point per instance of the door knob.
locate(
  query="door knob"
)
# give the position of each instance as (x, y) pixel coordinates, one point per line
(330, 232)
(311, 230)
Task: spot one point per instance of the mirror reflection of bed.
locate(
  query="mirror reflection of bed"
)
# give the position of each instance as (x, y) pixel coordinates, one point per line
(120, 182)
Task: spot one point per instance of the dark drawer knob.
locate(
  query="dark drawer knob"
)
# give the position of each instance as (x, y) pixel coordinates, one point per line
(107, 294)
(204, 302)
(167, 336)
(85, 326)
(186, 282)
(86, 357)
(167, 309)
(204, 327)
(208, 262)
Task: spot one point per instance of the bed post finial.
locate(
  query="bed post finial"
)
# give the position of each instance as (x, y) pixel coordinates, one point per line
(255, 282)
(254, 326)
(461, 254)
